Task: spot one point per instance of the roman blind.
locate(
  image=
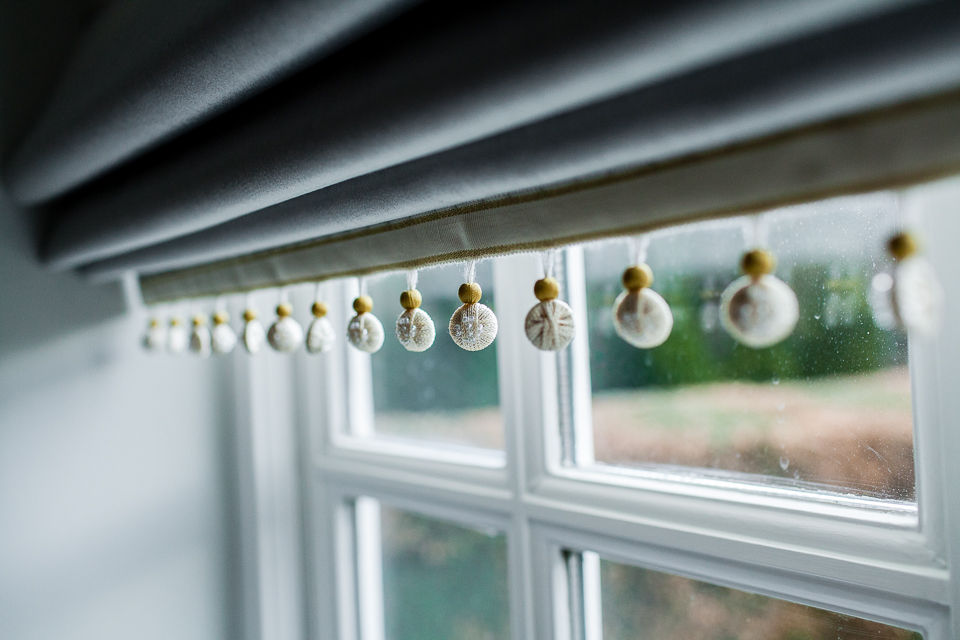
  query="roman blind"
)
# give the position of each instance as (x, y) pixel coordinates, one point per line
(301, 141)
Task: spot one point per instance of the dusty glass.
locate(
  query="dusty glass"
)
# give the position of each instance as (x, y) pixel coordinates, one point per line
(441, 580)
(638, 604)
(827, 409)
(443, 394)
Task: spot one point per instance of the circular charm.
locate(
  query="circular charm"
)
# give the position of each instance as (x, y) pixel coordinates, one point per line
(156, 336)
(473, 326)
(320, 336)
(200, 337)
(759, 311)
(285, 334)
(642, 317)
(917, 295)
(549, 325)
(365, 332)
(223, 339)
(415, 330)
(177, 337)
(254, 334)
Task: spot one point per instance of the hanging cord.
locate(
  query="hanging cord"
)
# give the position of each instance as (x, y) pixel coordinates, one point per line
(361, 286)
(220, 304)
(548, 261)
(284, 295)
(412, 277)
(756, 231)
(470, 272)
(638, 248)
(316, 292)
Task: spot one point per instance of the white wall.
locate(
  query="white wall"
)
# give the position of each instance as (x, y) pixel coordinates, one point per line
(117, 500)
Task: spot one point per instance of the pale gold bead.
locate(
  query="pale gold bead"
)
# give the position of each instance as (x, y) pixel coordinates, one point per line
(319, 309)
(902, 246)
(284, 310)
(470, 292)
(249, 315)
(411, 299)
(199, 320)
(363, 304)
(546, 289)
(154, 323)
(220, 318)
(758, 262)
(637, 277)
(175, 322)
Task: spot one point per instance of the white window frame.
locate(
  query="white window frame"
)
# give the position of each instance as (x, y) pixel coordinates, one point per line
(888, 565)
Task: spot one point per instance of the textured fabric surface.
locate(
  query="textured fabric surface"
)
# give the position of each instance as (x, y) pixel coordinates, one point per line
(873, 151)
(148, 70)
(470, 74)
(749, 98)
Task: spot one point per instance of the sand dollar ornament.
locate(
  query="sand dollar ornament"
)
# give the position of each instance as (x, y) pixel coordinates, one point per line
(758, 309)
(223, 338)
(549, 324)
(178, 338)
(364, 330)
(910, 296)
(200, 337)
(640, 315)
(320, 334)
(254, 335)
(156, 336)
(285, 334)
(473, 325)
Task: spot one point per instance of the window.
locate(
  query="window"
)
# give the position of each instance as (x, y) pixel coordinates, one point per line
(598, 493)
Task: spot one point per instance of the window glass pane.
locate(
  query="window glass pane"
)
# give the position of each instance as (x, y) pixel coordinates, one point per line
(639, 604)
(444, 393)
(828, 407)
(441, 580)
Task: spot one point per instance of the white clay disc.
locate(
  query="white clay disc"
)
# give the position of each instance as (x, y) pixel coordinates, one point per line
(223, 338)
(415, 330)
(155, 339)
(549, 325)
(881, 301)
(320, 336)
(200, 341)
(365, 332)
(642, 318)
(254, 336)
(759, 312)
(917, 296)
(473, 326)
(285, 335)
(177, 339)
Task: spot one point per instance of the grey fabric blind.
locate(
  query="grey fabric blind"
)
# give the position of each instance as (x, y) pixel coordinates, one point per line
(453, 132)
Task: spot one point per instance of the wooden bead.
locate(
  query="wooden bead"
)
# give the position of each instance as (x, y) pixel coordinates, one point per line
(363, 304)
(411, 299)
(199, 320)
(470, 292)
(546, 289)
(284, 310)
(637, 277)
(175, 322)
(220, 318)
(154, 323)
(758, 262)
(249, 315)
(318, 309)
(902, 246)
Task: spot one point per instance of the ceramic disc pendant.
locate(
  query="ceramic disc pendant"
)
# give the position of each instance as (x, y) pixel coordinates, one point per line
(200, 337)
(254, 335)
(473, 325)
(549, 324)
(911, 297)
(156, 336)
(320, 334)
(415, 329)
(364, 330)
(178, 338)
(640, 315)
(758, 309)
(223, 337)
(285, 334)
